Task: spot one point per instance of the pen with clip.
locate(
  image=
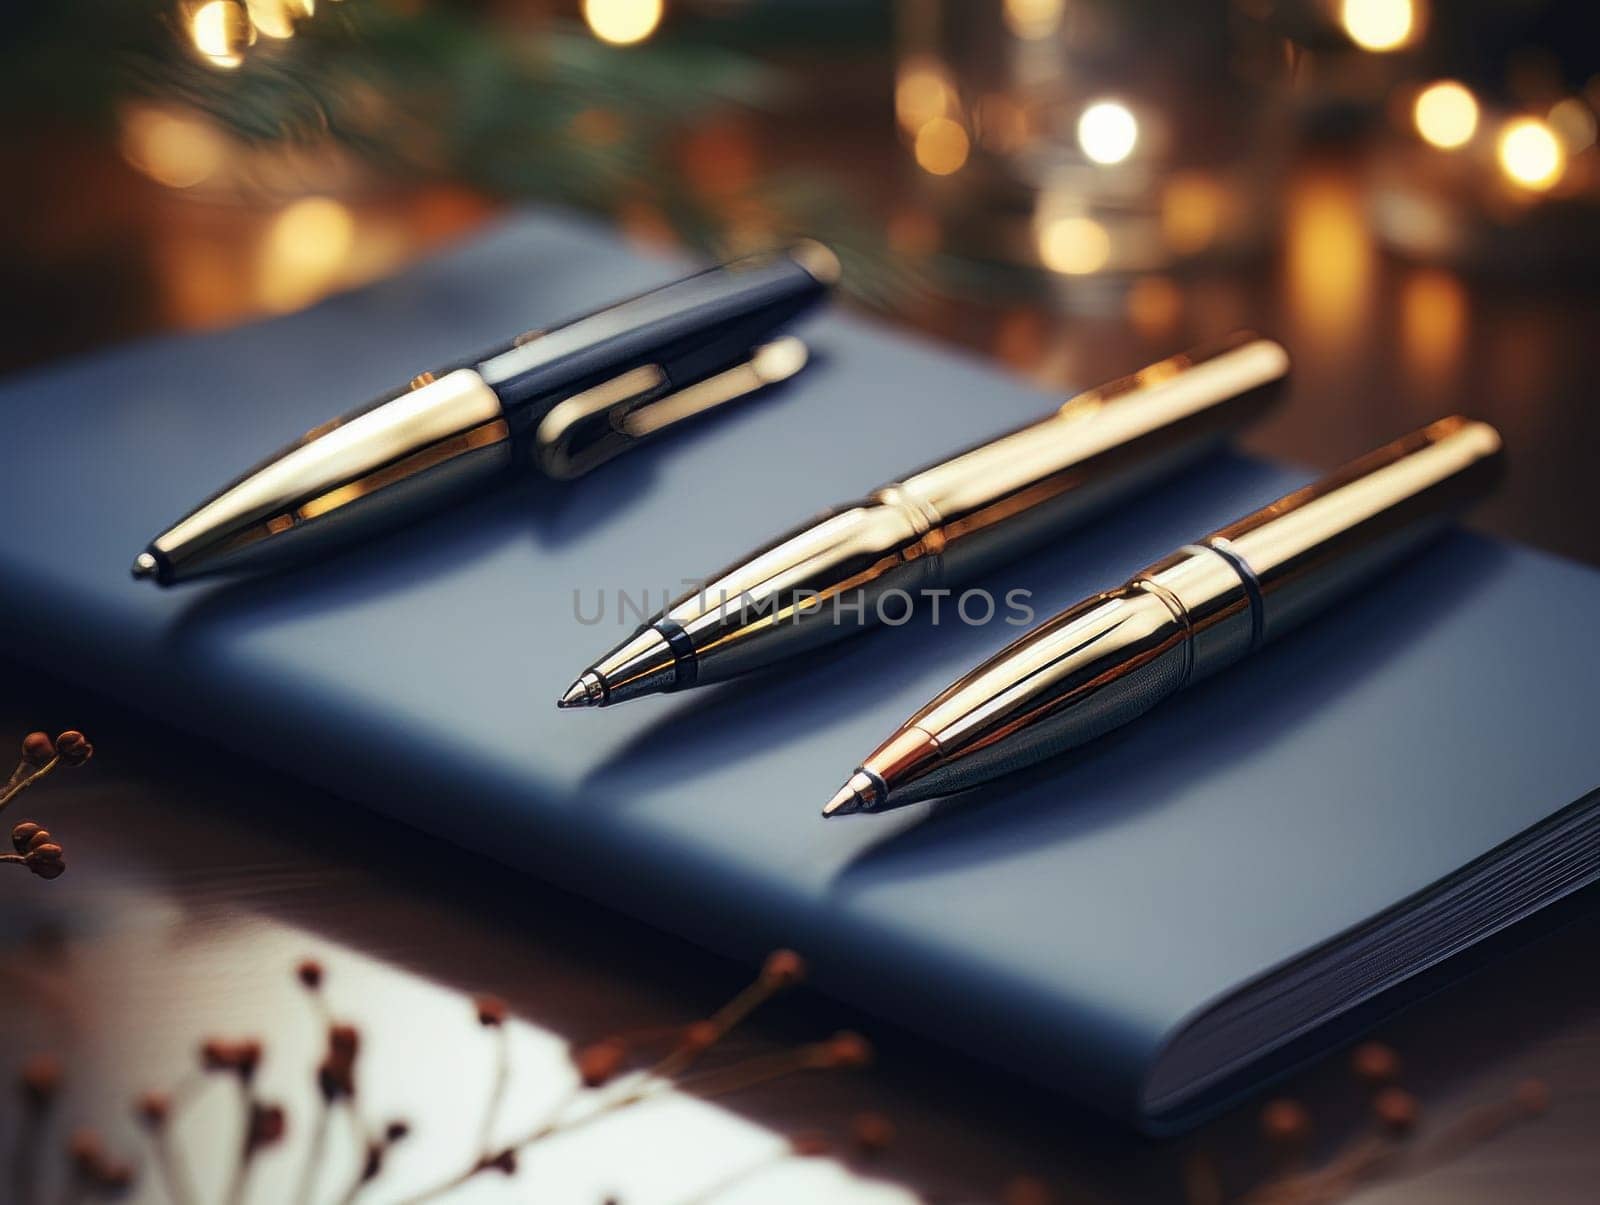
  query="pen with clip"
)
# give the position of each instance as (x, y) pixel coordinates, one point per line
(564, 400)
(944, 524)
(1113, 657)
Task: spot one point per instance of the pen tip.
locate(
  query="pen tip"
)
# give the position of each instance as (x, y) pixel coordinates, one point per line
(857, 795)
(587, 691)
(144, 565)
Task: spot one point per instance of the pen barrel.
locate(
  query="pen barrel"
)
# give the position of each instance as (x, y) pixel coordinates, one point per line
(991, 503)
(947, 523)
(684, 330)
(1114, 656)
(1314, 546)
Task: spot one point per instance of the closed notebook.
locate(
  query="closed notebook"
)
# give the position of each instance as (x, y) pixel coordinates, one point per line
(1152, 925)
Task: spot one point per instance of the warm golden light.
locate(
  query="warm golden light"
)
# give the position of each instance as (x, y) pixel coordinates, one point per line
(173, 148)
(307, 246)
(1107, 132)
(1331, 264)
(1033, 19)
(1573, 120)
(1433, 327)
(622, 22)
(1378, 24)
(1074, 246)
(1446, 114)
(921, 94)
(1193, 206)
(1530, 154)
(221, 30)
(277, 18)
(1153, 305)
(941, 147)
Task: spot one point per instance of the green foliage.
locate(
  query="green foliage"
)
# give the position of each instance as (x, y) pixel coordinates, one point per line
(543, 114)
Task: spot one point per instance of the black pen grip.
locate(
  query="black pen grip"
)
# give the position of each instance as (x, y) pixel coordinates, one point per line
(689, 328)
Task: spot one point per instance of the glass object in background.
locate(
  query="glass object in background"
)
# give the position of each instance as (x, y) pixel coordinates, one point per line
(1095, 138)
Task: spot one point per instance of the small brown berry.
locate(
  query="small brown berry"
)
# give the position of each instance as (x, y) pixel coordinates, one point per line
(40, 1080)
(46, 861)
(846, 1049)
(1285, 1122)
(699, 1037)
(871, 1133)
(39, 840)
(491, 1011)
(73, 747)
(216, 1054)
(37, 749)
(344, 1041)
(1397, 1111)
(809, 1145)
(1025, 1190)
(1533, 1097)
(23, 834)
(247, 1058)
(599, 1062)
(153, 1109)
(86, 1152)
(268, 1124)
(1375, 1063)
(309, 972)
(783, 968)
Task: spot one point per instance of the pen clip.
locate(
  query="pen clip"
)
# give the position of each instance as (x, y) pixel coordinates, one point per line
(605, 420)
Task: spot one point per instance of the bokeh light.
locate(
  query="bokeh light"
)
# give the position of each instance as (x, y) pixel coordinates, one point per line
(1378, 24)
(622, 22)
(1033, 19)
(1574, 122)
(1074, 246)
(1446, 114)
(1331, 264)
(277, 18)
(1153, 305)
(1107, 132)
(1193, 206)
(222, 31)
(1433, 328)
(921, 94)
(941, 146)
(1530, 154)
(307, 246)
(173, 148)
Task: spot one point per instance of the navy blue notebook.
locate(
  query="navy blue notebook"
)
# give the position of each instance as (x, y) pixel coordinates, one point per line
(1153, 924)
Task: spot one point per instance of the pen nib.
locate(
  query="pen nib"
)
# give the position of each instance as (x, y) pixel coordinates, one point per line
(585, 692)
(860, 794)
(144, 565)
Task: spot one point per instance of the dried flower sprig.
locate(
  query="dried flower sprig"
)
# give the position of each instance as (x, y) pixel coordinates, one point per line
(1389, 1151)
(33, 845)
(605, 1086)
(41, 756)
(610, 1075)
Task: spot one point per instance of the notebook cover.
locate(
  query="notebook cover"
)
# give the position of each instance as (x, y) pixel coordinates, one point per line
(1064, 923)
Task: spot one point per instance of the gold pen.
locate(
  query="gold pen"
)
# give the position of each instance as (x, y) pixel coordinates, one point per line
(1112, 657)
(942, 525)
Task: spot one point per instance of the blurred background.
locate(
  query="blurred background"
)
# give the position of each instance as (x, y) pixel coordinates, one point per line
(1405, 192)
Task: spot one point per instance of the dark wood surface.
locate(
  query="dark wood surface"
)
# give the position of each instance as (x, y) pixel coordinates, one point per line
(196, 881)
